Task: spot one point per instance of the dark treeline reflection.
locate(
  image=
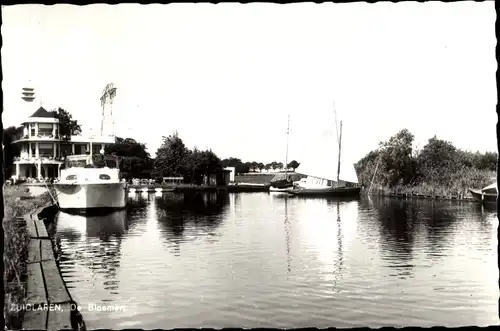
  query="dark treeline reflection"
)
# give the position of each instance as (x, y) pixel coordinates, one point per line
(403, 222)
(201, 210)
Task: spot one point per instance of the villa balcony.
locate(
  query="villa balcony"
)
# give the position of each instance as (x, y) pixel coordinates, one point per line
(40, 137)
(43, 158)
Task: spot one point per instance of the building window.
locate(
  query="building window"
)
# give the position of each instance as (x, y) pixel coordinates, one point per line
(44, 129)
(46, 150)
(32, 132)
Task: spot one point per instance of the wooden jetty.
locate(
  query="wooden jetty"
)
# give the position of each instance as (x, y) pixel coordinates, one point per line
(234, 188)
(50, 304)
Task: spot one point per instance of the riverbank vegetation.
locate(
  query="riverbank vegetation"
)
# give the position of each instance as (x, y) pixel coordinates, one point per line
(16, 249)
(438, 169)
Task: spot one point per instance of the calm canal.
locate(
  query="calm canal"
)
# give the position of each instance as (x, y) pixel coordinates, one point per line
(264, 260)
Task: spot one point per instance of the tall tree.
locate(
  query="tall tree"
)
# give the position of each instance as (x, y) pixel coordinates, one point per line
(67, 126)
(10, 150)
(254, 166)
(135, 160)
(231, 162)
(397, 158)
(198, 164)
(438, 160)
(171, 156)
(293, 164)
(127, 147)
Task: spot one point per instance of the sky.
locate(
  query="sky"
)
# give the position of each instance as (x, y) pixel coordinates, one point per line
(226, 76)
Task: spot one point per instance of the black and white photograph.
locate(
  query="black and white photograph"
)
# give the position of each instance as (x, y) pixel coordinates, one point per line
(258, 165)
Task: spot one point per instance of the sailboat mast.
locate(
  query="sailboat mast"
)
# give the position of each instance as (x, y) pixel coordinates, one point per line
(340, 146)
(286, 156)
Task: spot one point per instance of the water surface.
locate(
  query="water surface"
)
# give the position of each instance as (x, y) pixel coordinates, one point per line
(265, 260)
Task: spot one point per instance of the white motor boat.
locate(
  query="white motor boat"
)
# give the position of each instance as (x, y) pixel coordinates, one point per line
(85, 188)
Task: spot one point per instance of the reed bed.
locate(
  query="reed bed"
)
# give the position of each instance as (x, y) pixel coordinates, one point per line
(16, 251)
(457, 186)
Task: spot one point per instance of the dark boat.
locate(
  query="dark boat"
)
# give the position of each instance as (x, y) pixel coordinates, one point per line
(487, 195)
(341, 192)
(284, 180)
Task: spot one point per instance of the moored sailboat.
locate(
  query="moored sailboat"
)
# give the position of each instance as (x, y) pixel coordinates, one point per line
(282, 183)
(325, 177)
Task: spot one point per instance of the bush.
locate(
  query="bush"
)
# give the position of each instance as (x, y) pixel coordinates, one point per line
(438, 169)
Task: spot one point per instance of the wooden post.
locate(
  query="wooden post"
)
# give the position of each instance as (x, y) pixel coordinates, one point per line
(374, 173)
(286, 156)
(340, 146)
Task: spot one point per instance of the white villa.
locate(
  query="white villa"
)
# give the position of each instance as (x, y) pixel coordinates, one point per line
(43, 150)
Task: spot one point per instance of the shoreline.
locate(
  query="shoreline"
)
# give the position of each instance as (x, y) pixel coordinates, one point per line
(52, 306)
(410, 196)
(40, 299)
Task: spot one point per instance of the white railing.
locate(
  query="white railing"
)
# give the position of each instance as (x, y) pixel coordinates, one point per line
(42, 157)
(40, 136)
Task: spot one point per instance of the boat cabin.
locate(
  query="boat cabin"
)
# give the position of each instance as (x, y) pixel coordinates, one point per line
(316, 182)
(83, 168)
(92, 175)
(91, 161)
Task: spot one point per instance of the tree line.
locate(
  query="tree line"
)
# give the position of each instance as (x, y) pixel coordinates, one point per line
(173, 158)
(438, 166)
(246, 167)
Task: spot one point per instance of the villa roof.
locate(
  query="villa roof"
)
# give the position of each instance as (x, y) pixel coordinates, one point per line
(42, 112)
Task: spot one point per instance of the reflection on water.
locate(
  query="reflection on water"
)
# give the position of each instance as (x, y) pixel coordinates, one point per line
(95, 243)
(270, 260)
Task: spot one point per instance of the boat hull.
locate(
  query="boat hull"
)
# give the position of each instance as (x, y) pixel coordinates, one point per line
(86, 197)
(341, 192)
(280, 190)
(486, 198)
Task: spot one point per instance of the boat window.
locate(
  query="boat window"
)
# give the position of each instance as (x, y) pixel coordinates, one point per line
(104, 176)
(71, 177)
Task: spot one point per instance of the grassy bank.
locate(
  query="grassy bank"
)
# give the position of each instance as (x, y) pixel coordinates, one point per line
(254, 178)
(16, 250)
